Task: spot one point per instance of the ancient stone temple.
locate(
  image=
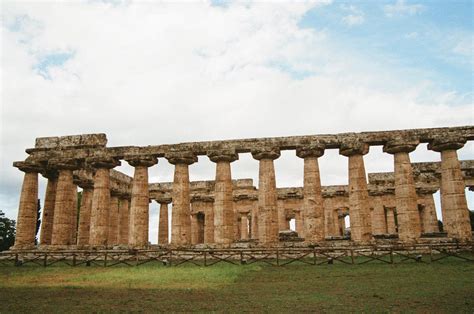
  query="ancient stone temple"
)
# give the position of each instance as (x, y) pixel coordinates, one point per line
(114, 208)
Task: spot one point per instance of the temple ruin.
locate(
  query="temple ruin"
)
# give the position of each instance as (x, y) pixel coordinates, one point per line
(114, 208)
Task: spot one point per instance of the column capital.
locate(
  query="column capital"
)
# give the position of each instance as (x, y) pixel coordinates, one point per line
(181, 157)
(83, 182)
(65, 164)
(446, 143)
(353, 147)
(146, 161)
(50, 173)
(222, 155)
(266, 153)
(28, 166)
(400, 146)
(312, 150)
(103, 162)
(163, 200)
(425, 190)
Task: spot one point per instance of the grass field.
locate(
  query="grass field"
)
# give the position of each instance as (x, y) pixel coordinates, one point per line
(447, 286)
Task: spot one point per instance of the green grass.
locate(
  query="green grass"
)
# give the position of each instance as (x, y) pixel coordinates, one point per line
(447, 286)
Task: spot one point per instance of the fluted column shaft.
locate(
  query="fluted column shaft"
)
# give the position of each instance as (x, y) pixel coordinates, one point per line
(163, 225)
(63, 208)
(244, 227)
(428, 217)
(181, 208)
(379, 224)
(267, 196)
(391, 225)
(100, 208)
(112, 235)
(27, 210)
(209, 223)
(359, 208)
(74, 217)
(48, 211)
(329, 212)
(83, 232)
(124, 220)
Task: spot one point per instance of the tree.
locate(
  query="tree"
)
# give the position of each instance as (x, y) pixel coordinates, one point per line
(7, 232)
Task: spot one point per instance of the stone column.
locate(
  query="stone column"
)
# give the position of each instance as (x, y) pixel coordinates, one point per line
(48, 208)
(209, 222)
(456, 221)
(359, 209)
(124, 219)
(139, 209)
(391, 225)
(223, 197)
(336, 222)
(282, 221)
(254, 222)
(181, 208)
(329, 212)
(101, 201)
(74, 213)
(194, 229)
(409, 229)
(27, 210)
(267, 195)
(244, 227)
(342, 225)
(112, 235)
(85, 215)
(313, 211)
(163, 223)
(299, 223)
(379, 224)
(429, 220)
(64, 206)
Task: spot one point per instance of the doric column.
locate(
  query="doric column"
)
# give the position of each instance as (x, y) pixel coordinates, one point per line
(181, 208)
(379, 224)
(101, 201)
(359, 209)
(336, 222)
(428, 218)
(112, 235)
(48, 208)
(83, 231)
(209, 222)
(124, 219)
(64, 206)
(299, 223)
(267, 195)
(329, 212)
(223, 198)
(313, 211)
(27, 210)
(244, 227)
(391, 225)
(74, 212)
(139, 209)
(163, 223)
(405, 192)
(282, 221)
(341, 224)
(454, 208)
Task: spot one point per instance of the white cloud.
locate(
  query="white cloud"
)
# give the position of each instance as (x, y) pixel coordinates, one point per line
(401, 8)
(355, 17)
(155, 73)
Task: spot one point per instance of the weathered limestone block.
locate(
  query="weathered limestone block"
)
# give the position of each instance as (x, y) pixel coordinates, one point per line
(48, 208)
(101, 201)
(27, 211)
(267, 196)
(405, 192)
(223, 198)
(313, 211)
(181, 216)
(112, 235)
(139, 209)
(163, 224)
(124, 219)
(84, 140)
(64, 206)
(358, 193)
(83, 232)
(456, 221)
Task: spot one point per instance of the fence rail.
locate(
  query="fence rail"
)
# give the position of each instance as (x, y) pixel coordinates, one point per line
(277, 256)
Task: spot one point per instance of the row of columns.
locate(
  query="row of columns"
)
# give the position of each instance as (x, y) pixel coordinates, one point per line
(104, 207)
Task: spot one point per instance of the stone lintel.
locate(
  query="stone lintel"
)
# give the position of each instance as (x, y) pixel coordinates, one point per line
(353, 147)
(181, 157)
(439, 144)
(65, 164)
(83, 141)
(312, 150)
(223, 155)
(143, 161)
(266, 153)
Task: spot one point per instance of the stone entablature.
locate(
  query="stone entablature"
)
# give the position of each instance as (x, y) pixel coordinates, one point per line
(224, 210)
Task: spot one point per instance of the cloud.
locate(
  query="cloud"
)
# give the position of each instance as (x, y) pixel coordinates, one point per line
(156, 73)
(401, 8)
(356, 16)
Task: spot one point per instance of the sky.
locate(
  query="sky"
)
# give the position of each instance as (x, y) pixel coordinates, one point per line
(149, 73)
